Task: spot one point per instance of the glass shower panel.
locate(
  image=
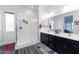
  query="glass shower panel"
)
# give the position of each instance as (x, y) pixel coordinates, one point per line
(7, 33)
(0, 30)
(10, 33)
(0, 35)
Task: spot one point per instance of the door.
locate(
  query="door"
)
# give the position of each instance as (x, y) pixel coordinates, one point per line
(9, 28)
(8, 32)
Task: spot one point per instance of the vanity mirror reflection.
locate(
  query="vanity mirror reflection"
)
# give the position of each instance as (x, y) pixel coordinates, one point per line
(67, 22)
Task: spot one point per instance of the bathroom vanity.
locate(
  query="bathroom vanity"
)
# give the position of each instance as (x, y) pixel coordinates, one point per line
(60, 43)
(63, 36)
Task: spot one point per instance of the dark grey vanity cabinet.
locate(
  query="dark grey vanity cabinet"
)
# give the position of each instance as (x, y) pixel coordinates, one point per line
(60, 45)
(67, 46)
(44, 38)
(72, 47)
(52, 42)
(48, 40)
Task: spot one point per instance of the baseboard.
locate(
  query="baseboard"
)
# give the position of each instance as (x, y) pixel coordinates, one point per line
(25, 45)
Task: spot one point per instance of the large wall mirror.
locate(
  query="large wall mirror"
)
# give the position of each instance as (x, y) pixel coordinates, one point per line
(67, 22)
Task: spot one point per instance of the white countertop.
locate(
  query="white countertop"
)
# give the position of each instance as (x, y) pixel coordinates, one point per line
(64, 35)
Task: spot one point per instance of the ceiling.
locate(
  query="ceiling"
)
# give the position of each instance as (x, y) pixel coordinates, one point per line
(44, 10)
(31, 7)
(49, 8)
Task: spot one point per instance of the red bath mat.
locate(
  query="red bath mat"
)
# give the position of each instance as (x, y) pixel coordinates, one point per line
(9, 47)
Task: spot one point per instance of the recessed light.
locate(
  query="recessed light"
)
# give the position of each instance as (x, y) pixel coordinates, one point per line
(29, 12)
(32, 6)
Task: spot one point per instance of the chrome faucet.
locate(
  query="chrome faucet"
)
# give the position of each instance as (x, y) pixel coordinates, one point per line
(69, 33)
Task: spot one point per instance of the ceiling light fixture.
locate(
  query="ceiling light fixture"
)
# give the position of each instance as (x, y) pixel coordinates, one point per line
(32, 7)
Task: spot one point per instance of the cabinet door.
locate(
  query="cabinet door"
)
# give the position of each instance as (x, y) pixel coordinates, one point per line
(52, 43)
(44, 38)
(60, 45)
(76, 47)
(73, 47)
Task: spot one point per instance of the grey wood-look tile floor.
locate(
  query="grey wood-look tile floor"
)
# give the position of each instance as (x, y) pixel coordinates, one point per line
(38, 48)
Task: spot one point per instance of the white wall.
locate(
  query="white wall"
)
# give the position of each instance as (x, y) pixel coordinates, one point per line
(30, 30)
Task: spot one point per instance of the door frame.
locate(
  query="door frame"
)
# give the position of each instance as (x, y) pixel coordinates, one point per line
(4, 25)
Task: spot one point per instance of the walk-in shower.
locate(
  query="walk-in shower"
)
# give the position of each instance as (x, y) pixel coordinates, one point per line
(18, 27)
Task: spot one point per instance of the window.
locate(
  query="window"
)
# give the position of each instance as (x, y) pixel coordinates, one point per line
(9, 21)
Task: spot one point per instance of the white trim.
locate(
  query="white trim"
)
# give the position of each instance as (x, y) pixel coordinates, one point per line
(25, 45)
